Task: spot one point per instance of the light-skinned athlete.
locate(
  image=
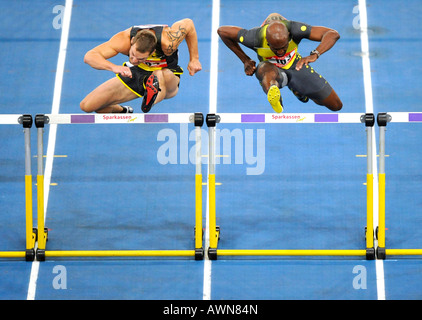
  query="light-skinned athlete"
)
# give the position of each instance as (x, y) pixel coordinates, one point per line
(276, 44)
(152, 71)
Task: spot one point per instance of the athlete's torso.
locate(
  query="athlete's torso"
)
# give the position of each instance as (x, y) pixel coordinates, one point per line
(157, 60)
(256, 40)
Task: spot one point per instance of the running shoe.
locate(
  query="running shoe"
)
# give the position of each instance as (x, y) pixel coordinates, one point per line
(274, 98)
(152, 88)
(127, 109)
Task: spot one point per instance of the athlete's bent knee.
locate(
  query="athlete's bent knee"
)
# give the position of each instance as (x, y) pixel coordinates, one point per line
(84, 105)
(337, 106)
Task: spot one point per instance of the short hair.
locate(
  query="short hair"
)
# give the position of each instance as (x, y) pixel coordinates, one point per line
(145, 41)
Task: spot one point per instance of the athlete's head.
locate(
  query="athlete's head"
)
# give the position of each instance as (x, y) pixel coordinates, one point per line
(278, 38)
(142, 46)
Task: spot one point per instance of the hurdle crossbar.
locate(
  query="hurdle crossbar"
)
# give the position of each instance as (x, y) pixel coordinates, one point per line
(26, 121)
(382, 120)
(119, 118)
(40, 120)
(285, 118)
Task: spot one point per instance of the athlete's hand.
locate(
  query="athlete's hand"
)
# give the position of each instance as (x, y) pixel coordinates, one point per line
(194, 66)
(250, 67)
(122, 70)
(305, 61)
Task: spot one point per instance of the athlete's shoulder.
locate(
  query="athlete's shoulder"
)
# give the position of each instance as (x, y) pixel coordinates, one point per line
(298, 29)
(250, 37)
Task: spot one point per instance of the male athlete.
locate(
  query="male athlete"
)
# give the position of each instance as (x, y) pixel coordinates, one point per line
(276, 44)
(152, 71)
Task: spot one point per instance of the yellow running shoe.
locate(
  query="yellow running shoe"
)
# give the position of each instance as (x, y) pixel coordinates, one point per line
(274, 98)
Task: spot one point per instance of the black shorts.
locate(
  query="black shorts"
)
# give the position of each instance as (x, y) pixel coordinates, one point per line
(136, 84)
(307, 82)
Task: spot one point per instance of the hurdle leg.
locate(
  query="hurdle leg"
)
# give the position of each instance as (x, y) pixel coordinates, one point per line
(213, 233)
(30, 234)
(370, 250)
(199, 250)
(42, 231)
(382, 120)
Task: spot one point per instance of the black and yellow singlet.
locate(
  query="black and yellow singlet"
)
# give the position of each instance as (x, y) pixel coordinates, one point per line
(256, 39)
(158, 60)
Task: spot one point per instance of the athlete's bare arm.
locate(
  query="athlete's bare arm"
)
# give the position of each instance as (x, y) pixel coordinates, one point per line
(327, 38)
(229, 36)
(173, 36)
(98, 56)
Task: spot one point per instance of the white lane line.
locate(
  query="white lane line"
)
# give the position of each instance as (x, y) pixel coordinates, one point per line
(366, 63)
(212, 109)
(32, 287)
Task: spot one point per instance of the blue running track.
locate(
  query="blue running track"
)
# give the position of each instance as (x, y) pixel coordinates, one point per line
(305, 189)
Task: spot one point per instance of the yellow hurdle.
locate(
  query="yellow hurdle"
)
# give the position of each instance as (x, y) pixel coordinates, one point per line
(42, 236)
(13, 254)
(381, 214)
(198, 211)
(41, 253)
(30, 236)
(214, 230)
(382, 120)
(370, 210)
(212, 213)
(292, 252)
(119, 253)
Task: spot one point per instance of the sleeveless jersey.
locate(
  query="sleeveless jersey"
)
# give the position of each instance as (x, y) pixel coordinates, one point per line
(158, 60)
(256, 39)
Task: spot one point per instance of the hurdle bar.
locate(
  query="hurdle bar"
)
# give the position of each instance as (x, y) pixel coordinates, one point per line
(26, 121)
(382, 120)
(41, 119)
(321, 118)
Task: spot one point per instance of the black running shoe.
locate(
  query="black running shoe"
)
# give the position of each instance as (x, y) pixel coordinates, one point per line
(152, 88)
(126, 109)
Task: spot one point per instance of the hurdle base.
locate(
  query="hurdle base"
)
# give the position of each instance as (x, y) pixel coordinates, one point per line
(30, 254)
(381, 253)
(402, 252)
(117, 253)
(40, 255)
(212, 252)
(199, 254)
(370, 254)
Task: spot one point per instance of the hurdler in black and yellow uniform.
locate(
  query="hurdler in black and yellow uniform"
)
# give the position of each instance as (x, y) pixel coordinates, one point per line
(305, 82)
(156, 61)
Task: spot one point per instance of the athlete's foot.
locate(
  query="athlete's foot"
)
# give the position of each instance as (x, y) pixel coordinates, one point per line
(152, 88)
(126, 109)
(274, 98)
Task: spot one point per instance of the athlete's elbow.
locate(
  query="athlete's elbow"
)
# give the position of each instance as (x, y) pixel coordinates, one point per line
(88, 57)
(223, 32)
(335, 35)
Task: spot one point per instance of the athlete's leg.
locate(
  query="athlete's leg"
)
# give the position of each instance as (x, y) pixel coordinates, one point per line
(307, 82)
(169, 84)
(269, 75)
(332, 102)
(107, 97)
(272, 79)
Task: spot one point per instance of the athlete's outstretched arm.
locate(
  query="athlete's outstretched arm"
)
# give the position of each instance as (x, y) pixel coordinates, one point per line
(98, 56)
(185, 29)
(327, 38)
(229, 36)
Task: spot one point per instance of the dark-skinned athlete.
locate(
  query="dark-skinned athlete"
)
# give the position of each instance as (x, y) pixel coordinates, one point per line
(276, 44)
